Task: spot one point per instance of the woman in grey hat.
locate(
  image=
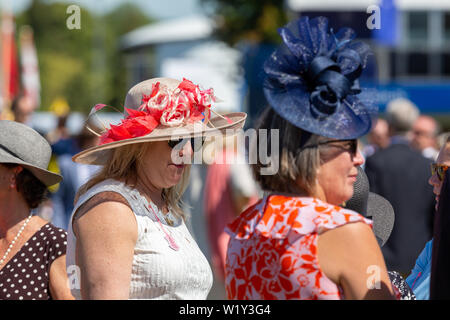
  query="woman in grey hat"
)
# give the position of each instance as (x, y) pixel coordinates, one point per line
(32, 251)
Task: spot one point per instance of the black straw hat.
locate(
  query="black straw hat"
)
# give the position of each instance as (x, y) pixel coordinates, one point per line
(373, 206)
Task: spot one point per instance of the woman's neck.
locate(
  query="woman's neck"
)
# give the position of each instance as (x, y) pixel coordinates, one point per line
(152, 193)
(12, 212)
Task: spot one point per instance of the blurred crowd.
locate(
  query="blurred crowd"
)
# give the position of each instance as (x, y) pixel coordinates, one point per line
(119, 211)
(398, 152)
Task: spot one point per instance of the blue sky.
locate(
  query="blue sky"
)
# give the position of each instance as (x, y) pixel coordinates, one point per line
(160, 9)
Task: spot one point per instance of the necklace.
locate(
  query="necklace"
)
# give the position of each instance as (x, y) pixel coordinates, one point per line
(172, 243)
(169, 221)
(11, 245)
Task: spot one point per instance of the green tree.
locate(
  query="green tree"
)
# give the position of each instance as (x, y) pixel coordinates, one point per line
(63, 54)
(85, 66)
(120, 21)
(248, 20)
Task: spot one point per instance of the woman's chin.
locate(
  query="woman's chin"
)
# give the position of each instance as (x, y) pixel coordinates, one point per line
(339, 201)
(175, 175)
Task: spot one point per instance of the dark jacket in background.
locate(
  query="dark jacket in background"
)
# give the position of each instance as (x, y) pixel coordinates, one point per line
(401, 175)
(440, 263)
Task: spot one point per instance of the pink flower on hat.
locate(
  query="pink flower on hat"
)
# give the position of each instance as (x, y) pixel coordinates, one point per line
(175, 116)
(172, 108)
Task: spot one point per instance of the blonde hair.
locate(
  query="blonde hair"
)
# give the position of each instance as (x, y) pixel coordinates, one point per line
(122, 165)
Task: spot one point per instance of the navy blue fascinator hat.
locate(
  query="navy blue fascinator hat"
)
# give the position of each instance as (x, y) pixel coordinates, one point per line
(312, 79)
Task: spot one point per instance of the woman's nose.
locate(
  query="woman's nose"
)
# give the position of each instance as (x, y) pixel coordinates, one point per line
(186, 150)
(358, 159)
(434, 181)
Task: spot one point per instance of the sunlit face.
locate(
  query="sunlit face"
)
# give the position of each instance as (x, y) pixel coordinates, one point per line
(162, 165)
(338, 172)
(423, 133)
(379, 135)
(443, 158)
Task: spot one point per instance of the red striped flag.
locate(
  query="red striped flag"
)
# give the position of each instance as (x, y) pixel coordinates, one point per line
(10, 74)
(30, 68)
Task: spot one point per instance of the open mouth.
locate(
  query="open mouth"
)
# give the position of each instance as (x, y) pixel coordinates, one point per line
(179, 166)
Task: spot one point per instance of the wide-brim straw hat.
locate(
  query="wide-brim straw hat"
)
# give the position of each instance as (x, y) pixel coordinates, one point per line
(228, 123)
(22, 145)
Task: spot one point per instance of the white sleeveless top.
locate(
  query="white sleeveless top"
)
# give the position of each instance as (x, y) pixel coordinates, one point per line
(158, 271)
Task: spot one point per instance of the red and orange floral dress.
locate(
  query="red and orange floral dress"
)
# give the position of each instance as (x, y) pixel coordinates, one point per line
(272, 253)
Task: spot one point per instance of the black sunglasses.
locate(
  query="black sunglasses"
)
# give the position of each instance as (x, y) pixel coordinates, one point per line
(196, 143)
(353, 145)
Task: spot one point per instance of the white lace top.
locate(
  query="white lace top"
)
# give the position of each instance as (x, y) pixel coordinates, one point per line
(158, 270)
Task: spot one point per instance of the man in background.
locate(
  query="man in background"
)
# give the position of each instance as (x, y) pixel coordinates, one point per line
(378, 138)
(424, 135)
(400, 174)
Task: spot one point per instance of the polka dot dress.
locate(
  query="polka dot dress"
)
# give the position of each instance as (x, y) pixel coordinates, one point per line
(26, 275)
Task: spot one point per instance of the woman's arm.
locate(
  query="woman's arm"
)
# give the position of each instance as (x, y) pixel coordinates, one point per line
(106, 235)
(58, 284)
(350, 256)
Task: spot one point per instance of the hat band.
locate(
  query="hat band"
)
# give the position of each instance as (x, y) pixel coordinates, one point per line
(10, 152)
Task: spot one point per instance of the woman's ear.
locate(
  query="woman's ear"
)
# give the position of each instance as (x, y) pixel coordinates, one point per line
(13, 177)
(18, 170)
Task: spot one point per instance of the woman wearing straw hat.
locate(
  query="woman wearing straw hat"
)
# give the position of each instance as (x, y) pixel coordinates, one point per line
(32, 251)
(276, 245)
(127, 236)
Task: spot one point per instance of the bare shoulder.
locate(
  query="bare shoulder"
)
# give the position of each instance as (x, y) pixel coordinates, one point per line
(347, 247)
(355, 235)
(106, 214)
(354, 231)
(106, 234)
(102, 197)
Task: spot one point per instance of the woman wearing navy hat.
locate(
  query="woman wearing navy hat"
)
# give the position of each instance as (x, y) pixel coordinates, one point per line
(297, 243)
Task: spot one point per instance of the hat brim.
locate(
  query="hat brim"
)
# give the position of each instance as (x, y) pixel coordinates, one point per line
(383, 216)
(345, 123)
(48, 178)
(218, 125)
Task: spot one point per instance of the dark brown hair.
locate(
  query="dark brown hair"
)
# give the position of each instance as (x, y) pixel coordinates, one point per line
(31, 188)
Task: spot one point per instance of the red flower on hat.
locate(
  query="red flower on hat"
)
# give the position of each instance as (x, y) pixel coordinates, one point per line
(172, 108)
(136, 124)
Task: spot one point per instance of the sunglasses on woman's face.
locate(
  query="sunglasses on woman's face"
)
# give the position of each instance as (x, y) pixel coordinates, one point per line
(196, 143)
(439, 170)
(349, 145)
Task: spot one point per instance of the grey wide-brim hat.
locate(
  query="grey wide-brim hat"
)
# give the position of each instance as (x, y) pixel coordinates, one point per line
(373, 206)
(20, 144)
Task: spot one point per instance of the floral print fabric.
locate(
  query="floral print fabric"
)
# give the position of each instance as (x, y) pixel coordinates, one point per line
(272, 253)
